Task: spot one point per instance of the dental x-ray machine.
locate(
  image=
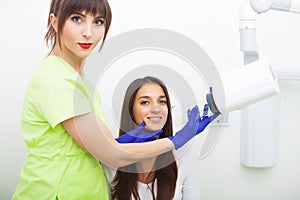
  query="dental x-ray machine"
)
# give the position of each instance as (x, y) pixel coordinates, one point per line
(254, 89)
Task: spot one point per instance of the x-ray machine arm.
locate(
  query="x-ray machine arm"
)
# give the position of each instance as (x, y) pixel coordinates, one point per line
(260, 121)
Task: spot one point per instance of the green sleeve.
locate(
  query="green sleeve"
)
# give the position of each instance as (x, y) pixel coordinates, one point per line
(59, 99)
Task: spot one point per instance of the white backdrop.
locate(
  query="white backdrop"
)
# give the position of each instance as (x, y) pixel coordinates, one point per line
(214, 26)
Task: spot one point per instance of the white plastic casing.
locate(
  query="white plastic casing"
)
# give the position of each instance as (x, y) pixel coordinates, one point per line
(246, 85)
(259, 133)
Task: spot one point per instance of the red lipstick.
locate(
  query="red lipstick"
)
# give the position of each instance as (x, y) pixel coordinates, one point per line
(85, 45)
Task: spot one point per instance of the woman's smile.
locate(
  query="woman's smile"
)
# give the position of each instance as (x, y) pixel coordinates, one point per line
(155, 119)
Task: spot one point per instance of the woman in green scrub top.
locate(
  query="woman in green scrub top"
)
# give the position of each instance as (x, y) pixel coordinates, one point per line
(62, 119)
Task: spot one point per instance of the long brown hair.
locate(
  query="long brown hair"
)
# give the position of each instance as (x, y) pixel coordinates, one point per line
(65, 8)
(126, 179)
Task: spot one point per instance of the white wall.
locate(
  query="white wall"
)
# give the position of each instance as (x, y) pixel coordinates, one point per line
(22, 28)
(214, 25)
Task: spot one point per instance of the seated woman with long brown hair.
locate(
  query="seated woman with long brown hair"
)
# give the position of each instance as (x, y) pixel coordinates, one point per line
(172, 175)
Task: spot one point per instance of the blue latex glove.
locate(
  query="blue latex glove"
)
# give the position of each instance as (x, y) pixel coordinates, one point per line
(137, 136)
(188, 131)
(205, 119)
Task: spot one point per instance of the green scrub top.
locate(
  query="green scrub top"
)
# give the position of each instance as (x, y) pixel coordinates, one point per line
(56, 166)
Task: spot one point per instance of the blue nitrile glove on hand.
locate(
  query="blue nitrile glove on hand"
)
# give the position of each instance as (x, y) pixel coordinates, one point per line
(137, 136)
(205, 119)
(188, 131)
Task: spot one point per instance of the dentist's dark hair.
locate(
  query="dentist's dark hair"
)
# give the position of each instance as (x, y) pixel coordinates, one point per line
(165, 168)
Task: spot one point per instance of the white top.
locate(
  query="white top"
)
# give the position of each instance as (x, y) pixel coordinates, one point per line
(188, 181)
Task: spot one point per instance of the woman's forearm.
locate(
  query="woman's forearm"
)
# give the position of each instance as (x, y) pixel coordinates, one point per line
(93, 135)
